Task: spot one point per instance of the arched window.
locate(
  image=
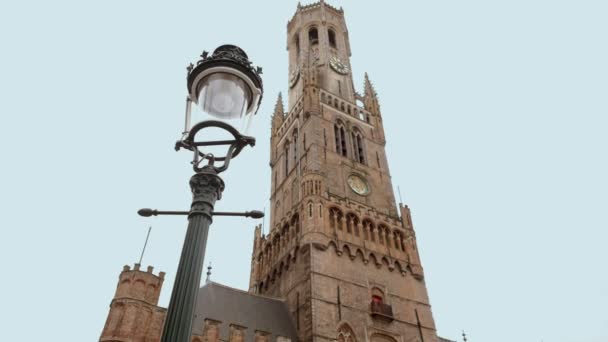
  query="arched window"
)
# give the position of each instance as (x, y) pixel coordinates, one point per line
(358, 147)
(340, 135)
(313, 36)
(345, 334)
(310, 210)
(332, 38)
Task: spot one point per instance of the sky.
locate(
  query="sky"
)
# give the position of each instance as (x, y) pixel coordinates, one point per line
(496, 119)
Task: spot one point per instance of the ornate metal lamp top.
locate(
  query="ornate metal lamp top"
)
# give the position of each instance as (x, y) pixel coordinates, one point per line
(229, 56)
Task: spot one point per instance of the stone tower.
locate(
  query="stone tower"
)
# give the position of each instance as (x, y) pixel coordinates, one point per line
(134, 312)
(340, 251)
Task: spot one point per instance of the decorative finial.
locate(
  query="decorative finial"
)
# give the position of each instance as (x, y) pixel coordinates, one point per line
(464, 336)
(278, 107)
(204, 54)
(208, 280)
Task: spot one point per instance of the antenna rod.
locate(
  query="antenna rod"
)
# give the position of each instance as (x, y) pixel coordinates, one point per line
(145, 244)
(399, 191)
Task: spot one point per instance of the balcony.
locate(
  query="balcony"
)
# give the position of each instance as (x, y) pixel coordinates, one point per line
(382, 311)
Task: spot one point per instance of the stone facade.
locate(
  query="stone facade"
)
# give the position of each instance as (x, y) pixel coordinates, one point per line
(340, 250)
(341, 255)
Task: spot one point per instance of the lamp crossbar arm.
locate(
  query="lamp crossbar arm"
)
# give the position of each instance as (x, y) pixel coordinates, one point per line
(146, 212)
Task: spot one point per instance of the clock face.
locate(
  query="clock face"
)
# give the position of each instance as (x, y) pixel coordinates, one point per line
(358, 185)
(294, 76)
(338, 66)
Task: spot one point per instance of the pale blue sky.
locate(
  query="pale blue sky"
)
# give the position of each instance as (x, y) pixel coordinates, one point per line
(496, 122)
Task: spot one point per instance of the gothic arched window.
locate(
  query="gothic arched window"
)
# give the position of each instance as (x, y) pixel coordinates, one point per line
(346, 334)
(332, 38)
(340, 135)
(313, 36)
(359, 151)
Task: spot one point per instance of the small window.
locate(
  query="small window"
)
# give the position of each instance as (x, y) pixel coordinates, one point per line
(310, 210)
(332, 38)
(313, 36)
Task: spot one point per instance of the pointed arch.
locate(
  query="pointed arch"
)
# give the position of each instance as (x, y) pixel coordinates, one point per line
(399, 267)
(359, 253)
(386, 262)
(340, 137)
(358, 145)
(345, 333)
(333, 244)
(347, 250)
(373, 258)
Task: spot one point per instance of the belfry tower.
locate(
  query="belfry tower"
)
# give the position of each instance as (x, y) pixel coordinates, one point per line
(340, 251)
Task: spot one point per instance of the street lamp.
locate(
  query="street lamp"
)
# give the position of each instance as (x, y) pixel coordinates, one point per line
(227, 89)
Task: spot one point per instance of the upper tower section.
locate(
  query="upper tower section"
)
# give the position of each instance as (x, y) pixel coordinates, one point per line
(319, 52)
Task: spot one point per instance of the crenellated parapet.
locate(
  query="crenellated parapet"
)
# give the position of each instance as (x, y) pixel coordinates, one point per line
(138, 284)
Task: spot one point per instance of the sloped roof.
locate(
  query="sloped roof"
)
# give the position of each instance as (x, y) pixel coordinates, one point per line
(233, 306)
(441, 339)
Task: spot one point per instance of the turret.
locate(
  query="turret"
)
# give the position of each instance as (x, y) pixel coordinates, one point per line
(257, 236)
(370, 99)
(134, 311)
(371, 103)
(278, 115)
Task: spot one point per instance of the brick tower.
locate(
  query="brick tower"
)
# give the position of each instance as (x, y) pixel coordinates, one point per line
(134, 315)
(340, 251)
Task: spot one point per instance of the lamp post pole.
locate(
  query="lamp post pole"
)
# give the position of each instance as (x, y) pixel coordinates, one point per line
(206, 188)
(226, 87)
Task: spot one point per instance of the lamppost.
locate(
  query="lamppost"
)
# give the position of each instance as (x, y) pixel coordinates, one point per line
(226, 88)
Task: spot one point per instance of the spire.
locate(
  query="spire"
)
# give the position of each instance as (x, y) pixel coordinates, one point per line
(371, 97)
(279, 113)
(464, 336)
(369, 87)
(278, 107)
(208, 280)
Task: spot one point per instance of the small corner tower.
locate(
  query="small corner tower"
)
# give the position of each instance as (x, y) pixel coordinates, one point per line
(134, 314)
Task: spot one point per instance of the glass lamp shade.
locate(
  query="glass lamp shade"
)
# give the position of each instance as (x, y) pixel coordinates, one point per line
(224, 96)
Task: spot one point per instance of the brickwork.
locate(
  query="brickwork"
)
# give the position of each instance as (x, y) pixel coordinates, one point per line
(134, 312)
(332, 243)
